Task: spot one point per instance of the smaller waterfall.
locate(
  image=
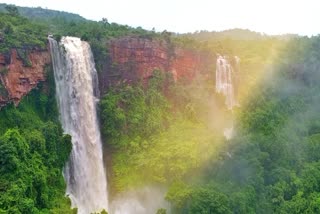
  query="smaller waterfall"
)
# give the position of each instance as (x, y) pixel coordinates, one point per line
(225, 84)
(224, 79)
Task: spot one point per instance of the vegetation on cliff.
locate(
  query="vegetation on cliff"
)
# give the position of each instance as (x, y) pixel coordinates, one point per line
(33, 151)
(172, 141)
(269, 166)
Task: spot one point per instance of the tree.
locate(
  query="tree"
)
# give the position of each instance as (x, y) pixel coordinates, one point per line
(207, 201)
(105, 21)
(13, 150)
(12, 10)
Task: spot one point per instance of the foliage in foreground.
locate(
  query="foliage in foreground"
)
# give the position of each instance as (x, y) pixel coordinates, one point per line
(33, 151)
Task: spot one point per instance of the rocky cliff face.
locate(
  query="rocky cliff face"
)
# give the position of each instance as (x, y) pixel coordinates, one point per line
(17, 79)
(132, 58)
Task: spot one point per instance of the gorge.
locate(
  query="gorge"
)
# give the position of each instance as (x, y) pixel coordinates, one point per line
(102, 117)
(77, 92)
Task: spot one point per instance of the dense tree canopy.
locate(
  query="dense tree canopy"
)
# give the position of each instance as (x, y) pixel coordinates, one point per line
(269, 166)
(33, 151)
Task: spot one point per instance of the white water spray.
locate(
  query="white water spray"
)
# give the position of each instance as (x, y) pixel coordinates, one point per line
(76, 91)
(145, 200)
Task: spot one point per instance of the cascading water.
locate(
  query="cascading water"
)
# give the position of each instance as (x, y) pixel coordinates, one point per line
(75, 77)
(225, 85)
(224, 80)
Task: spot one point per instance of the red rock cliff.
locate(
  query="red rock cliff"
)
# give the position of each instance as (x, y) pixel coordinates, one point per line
(16, 79)
(132, 58)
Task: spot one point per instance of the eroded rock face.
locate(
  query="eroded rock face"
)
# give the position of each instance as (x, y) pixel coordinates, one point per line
(132, 59)
(16, 79)
(139, 56)
(188, 64)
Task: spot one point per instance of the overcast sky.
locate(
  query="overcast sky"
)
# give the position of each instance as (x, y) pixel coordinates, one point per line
(268, 16)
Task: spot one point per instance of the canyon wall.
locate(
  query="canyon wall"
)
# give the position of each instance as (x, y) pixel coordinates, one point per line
(16, 78)
(132, 59)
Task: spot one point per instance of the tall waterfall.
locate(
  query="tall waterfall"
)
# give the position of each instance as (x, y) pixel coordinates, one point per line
(224, 79)
(75, 75)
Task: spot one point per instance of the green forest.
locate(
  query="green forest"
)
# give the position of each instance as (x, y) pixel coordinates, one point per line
(170, 134)
(33, 152)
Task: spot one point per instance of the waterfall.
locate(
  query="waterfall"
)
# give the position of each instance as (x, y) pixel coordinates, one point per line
(75, 78)
(225, 85)
(224, 79)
